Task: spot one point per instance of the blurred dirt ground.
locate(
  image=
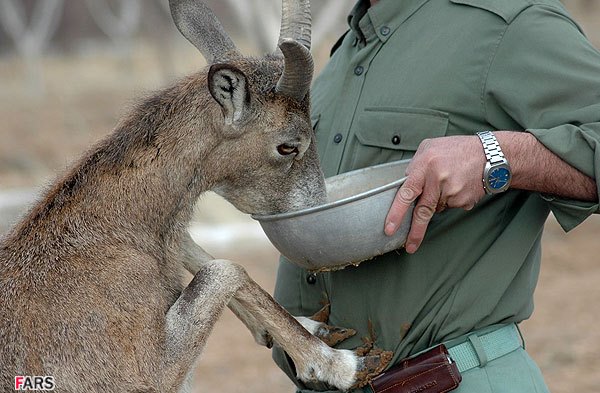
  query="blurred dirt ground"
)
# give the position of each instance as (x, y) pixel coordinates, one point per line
(45, 126)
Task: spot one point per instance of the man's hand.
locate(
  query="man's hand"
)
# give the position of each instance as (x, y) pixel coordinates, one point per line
(447, 172)
(444, 173)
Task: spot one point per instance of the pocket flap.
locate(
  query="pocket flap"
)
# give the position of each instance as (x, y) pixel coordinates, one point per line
(400, 128)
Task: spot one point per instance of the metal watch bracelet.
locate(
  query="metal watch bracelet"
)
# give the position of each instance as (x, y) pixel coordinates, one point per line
(491, 147)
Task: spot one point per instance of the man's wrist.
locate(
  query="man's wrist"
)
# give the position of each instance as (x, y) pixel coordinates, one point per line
(536, 168)
(516, 145)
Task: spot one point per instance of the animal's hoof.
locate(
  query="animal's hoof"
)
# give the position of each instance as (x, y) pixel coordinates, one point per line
(371, 365)
(322, 315)
(333, 335)
(330, 335)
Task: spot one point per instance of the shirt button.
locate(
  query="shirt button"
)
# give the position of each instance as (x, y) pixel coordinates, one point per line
(396, 140)
(358, 70)
(311, 278)
(338, 138)
(384, 30)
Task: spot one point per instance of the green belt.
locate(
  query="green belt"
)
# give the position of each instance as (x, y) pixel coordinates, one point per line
(483, 347)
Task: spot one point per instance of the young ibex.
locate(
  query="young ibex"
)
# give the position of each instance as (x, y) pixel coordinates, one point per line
(90, 279)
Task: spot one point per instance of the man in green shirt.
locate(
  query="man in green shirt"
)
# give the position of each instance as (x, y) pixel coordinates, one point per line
(419, 78)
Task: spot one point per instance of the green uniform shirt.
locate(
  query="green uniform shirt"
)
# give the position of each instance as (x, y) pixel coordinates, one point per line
(415, 69)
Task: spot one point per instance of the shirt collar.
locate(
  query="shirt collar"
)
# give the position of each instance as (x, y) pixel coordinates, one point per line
(381, 20)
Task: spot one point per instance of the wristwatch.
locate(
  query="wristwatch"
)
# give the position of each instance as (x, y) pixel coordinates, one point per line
(496, 174)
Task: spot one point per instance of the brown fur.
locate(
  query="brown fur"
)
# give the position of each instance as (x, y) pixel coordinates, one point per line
(87, 276)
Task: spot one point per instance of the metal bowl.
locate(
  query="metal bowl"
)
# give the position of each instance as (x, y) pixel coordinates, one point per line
(348, 229)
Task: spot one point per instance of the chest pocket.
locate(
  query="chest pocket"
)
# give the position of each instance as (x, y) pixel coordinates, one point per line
(390, 134)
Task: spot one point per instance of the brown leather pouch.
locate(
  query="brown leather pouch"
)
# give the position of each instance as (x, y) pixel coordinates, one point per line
(430, 372)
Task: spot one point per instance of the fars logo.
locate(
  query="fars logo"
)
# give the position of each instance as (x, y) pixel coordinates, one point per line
(26, 382)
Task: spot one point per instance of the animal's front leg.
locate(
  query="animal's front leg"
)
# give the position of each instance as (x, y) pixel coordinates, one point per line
(191, 318)
(316, 325)
(314, 360)
(260, 334)
(193, 257)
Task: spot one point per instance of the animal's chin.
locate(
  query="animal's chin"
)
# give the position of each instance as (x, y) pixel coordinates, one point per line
(309, 204)
(263, 206)
(303, 204)
(285, 209)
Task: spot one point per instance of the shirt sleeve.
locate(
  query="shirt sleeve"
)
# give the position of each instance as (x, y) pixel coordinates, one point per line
(545, 78)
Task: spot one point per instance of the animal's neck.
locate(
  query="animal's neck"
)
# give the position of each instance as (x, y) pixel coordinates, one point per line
(139, 184)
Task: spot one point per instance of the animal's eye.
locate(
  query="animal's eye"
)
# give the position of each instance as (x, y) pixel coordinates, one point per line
(285, 149)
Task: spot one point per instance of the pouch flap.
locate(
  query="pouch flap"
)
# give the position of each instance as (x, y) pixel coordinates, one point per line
(430, 372)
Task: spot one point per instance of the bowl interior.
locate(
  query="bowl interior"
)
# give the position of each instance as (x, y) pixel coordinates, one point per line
(355, 183)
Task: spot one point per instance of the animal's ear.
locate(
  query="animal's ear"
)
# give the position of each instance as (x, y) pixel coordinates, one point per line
(229, 87)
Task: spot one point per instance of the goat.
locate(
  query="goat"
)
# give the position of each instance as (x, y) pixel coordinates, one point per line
(90, 279)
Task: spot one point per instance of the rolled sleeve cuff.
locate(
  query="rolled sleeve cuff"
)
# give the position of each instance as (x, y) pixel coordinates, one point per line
(577, 147)
(569, 212)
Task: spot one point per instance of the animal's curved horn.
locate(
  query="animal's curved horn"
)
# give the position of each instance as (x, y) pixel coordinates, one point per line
(201, 27)
(295, 22)
(297, 71)
(294, 43)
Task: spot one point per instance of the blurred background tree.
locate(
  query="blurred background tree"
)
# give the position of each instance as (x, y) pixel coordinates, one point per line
(34, 27)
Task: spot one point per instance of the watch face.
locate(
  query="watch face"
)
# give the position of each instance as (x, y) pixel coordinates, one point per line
(498, 178)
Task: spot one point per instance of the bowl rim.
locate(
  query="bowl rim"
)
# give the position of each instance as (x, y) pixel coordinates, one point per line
(329, 205)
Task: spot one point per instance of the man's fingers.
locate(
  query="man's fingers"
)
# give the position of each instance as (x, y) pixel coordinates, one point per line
(424, 210)
(405, 196)
(421, 217)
